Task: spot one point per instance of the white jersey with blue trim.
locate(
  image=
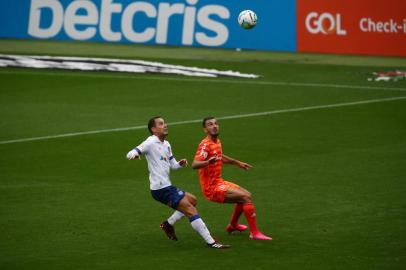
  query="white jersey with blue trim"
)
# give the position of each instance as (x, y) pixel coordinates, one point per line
(160, 160)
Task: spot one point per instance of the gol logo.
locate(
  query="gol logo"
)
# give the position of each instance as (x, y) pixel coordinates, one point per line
(325, 23)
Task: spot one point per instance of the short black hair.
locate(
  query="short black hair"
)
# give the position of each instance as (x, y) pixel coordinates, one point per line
(151, 123)
(207, 119)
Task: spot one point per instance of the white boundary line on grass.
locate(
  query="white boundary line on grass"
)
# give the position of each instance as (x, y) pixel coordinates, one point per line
(297, 84)
(336, 105)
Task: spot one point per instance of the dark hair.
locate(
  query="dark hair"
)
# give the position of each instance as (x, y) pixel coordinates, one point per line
(151, 123)
(207, 119)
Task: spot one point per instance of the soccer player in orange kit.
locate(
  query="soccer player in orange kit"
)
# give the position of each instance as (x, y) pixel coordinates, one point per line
(209, 160)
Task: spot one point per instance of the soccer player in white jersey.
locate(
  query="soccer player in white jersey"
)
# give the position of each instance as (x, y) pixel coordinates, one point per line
(160, 160)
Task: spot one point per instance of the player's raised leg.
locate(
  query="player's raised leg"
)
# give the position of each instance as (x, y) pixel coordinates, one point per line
(239, 195)
(234, 225)
(177, 215)
(168, 225)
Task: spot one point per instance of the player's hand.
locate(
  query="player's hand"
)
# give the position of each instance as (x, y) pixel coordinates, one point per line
(183, 162)
(213, 159)
(133, 154)
(244, 165)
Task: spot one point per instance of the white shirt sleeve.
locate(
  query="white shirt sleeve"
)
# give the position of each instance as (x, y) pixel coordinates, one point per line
(174, 163)
(143, 148)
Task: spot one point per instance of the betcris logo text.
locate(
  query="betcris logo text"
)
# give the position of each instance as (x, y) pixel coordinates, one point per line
(152, 22)
(198, 23)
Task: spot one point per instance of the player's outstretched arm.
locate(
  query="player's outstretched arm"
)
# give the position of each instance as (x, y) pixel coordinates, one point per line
(133, 154)
(240, 164)
(175, 165)
(198, 164)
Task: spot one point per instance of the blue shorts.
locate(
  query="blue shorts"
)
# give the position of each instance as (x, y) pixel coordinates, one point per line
(170, 196)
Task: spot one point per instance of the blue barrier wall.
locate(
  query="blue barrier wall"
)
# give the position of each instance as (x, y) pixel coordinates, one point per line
(209, 23)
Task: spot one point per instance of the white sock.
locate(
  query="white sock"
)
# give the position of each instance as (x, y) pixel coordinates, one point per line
(175, 217)
(199, 226)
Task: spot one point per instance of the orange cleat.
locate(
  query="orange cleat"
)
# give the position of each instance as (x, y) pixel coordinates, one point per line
(239, 227)
(259, 236)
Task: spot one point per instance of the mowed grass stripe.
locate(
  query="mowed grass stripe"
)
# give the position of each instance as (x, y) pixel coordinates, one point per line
(247, 81)
(299, 109)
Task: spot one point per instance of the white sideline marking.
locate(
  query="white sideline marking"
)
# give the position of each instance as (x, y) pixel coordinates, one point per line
(336, 105)
(298, 84)
(337, 86)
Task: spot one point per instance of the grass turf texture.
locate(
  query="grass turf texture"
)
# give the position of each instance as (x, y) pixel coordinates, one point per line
(328, 184)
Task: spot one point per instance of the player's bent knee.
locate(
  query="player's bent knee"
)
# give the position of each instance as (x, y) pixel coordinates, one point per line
(192, 199)
(187, 208)
(247, 197)
(190, 211)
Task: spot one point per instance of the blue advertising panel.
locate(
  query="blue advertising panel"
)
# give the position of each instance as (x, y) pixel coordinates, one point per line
(208, 23)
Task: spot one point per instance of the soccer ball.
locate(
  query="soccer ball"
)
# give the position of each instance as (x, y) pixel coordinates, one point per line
(247, 19)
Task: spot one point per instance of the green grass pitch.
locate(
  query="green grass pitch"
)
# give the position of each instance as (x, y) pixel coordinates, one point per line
(328, 183)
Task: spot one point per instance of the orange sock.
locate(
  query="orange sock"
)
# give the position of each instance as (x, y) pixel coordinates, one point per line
(236, 214)
(249, 212)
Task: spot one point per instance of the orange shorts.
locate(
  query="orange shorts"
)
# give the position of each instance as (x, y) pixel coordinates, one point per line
(218, 193)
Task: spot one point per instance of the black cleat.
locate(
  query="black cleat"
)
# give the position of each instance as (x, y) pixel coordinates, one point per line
(218, 245)
(169, 230)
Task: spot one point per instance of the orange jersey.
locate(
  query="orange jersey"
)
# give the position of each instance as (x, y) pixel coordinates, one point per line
(210, 176)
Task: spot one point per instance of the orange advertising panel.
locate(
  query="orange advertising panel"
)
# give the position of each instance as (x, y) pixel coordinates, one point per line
(352, 27)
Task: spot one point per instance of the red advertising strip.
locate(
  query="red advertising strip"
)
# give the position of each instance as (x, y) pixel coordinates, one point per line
(352, 27)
